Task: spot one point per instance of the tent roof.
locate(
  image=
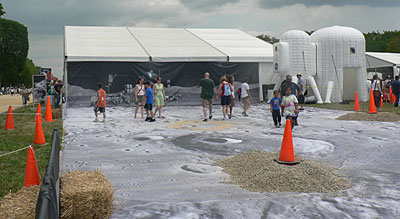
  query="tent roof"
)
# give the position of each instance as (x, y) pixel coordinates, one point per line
(380, 59)
(238, 45)
(102, 44)
(134, 44)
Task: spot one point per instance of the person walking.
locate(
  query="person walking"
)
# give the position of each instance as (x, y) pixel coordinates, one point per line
(159, 94)
(289, 106)
(377, 91)
(139, 96)
(295, 90)
(225, 91)
(101, 103)
(396, 90)
(275, 109)
(302, 84)
(149, 98)
(231, 80)
(25, 95)
(57, 93)
(245, 96)
(207, 92)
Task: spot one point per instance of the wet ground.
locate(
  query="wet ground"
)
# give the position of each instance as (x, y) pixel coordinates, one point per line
(165, 169)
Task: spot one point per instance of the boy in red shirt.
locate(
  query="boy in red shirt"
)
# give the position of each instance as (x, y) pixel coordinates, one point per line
(101, 102)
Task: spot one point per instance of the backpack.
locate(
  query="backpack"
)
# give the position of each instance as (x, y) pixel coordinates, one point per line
(227, 90)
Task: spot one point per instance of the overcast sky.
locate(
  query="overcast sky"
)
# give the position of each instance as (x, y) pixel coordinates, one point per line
(45, 19)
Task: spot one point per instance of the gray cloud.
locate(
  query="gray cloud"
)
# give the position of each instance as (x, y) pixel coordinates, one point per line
(206, 5)
(310, 3)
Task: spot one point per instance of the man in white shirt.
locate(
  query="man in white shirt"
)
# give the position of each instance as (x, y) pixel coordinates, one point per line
(245, 96)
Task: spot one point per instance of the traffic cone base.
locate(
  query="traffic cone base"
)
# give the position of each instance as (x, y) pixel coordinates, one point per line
(49, 116)
(286, 155)
(31, 170)
(372, 108)
(10, 119)
(356, 103)
(39, 136)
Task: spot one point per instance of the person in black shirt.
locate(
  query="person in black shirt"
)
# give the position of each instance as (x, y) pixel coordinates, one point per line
(57, 93)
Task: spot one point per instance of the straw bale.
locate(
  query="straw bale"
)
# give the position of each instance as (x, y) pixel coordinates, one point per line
(85, 195)
(257, 171)
(56, 113)
(21, 204)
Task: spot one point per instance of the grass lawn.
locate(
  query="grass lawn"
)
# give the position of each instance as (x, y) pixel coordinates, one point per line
(12, 167)
(364, 106)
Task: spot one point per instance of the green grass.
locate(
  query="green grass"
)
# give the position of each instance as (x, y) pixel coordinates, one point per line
(364, 106)
(12, 167)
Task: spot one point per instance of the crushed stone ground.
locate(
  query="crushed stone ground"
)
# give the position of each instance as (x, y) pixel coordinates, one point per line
(380, 116)
(258, 172)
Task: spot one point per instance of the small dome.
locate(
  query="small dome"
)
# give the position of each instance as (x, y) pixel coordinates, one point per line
(337, 32)
(294, 34)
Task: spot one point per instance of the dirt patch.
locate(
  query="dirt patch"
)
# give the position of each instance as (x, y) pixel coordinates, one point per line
(21, 204)
(56, 113)
(380, 116)
(257, 171)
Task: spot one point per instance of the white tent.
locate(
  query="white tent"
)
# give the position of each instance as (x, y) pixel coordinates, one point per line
(178, 54)
(381, 59)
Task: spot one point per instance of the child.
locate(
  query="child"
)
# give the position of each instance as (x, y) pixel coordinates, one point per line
(289, 106)
(149, 99)
(275, 108)
(101, 102)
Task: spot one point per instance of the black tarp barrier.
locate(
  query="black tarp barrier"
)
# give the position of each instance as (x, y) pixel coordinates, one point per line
(185, 74)
(47, 206)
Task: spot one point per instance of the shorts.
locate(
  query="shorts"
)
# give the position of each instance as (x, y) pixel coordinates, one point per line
(139, 100)
(148, 106)
(246, 97)
(99, 109)
(204, 102)
(226, 100)
(301, 99)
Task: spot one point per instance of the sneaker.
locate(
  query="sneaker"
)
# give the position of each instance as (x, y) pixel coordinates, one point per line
(152, 120)
(96, 120)
(147, 119)
(210, 116)
(103, 121)
(280, 125)
(230, 116)
(301, 109)
(205, 120)
(245, 115)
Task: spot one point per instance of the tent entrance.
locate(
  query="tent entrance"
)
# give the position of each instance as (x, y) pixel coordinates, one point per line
(349, 83)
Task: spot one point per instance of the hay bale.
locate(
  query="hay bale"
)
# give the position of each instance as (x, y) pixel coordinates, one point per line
(56, 113)
(21, 204)
(85, 195)
(258, 172)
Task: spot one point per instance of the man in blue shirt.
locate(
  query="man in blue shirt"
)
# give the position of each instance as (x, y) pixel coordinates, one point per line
(149, 102)
(396, 90)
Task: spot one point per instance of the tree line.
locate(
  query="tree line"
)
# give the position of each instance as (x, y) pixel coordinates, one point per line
(15, 67)
(386, 41)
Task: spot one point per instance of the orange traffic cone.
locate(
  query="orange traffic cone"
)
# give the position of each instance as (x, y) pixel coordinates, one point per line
(356, 103)
(39, 136)
(381, 101)
(39, 109)
(372, 108)
(48, 117)
(10, 119)
(31, 171)
(287, 153)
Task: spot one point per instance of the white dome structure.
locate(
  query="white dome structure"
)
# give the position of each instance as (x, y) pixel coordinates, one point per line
(300, 52)
(341, 59)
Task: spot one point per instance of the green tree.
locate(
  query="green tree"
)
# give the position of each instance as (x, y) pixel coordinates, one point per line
(268, 39)
(14, 47)
(2, 12)
(394, 44)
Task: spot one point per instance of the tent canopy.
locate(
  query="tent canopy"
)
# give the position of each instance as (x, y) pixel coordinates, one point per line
(379, 59)
(135, 44)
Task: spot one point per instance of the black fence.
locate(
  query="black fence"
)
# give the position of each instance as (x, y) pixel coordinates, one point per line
(48, 202)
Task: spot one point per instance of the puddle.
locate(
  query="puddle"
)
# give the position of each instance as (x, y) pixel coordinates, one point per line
(197, 143)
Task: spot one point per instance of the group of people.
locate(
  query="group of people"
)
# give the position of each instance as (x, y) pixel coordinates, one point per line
(379, 90)
(285, 104)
